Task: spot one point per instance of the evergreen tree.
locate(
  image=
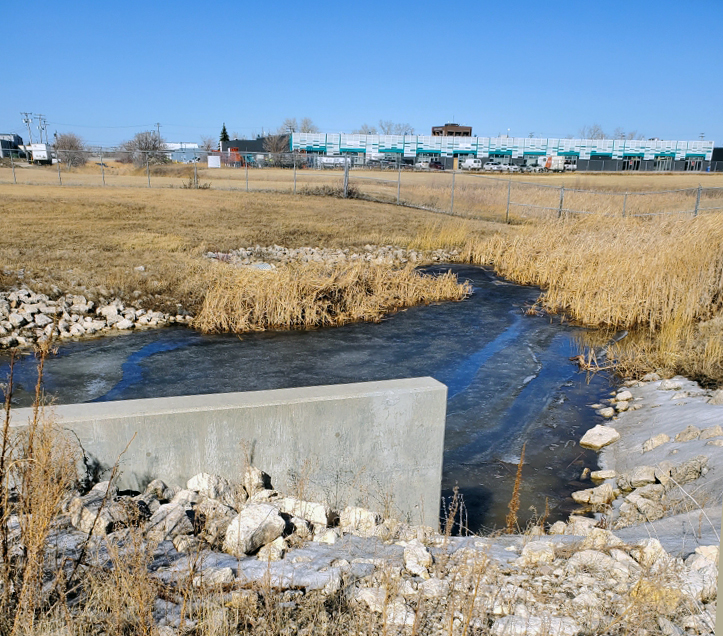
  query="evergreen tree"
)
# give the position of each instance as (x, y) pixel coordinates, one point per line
(224, 134)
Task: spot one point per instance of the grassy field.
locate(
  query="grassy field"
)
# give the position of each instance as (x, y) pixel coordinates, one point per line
(476, 195)
(661, 277)
(91, 240)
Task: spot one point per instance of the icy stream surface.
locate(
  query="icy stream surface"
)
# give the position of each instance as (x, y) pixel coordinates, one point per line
(509, 377)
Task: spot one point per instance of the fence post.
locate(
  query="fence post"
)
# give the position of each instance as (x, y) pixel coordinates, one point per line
(562, 201)
(195, 172)
(451, 205)
(509, 192)
(346, 177)
(148, 171)
(246, 166)
(102, 167)
(697, 201)
(12, 163)
(57, 159)
(294, 174)
(399, 184)
(625, 203)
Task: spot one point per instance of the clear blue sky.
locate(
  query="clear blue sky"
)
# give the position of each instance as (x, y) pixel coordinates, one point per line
(107, 70)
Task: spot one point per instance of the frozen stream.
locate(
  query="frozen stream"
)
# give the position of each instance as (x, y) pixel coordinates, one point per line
(509, 378)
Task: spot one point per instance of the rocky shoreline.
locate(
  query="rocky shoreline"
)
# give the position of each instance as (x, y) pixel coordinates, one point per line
(662, 441)
(245, 543)
(28, 317)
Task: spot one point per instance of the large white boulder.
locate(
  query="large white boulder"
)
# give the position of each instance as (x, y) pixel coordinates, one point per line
(599, 436)
(255, 526)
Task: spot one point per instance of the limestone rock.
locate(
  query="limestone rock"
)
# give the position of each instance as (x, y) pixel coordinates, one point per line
(216, 487)
(599, 436)
(274, 551)
(579, 526)
(169, 521)
(599, 496)
(85, 516)
(688, 434)
(558, 527)
(600, 475)
(641, 476)
(650, 377)
(256, 525)
(122, 325)
(670, 385)
(716, 397)
(690, 470)
(315, 513)
(713, 431)
(624, 396)
(417, 558)
(655, 441)
(214, 518)
(607, 412)
(648, 552)
(537, 553)
(358, 521)
(534, 626)
(650, 509)
(255, 480)
(434, 588)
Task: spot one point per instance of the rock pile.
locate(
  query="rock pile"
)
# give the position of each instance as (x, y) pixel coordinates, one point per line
(644, 490)
(27, 317)
(245, 538)
(257, 255)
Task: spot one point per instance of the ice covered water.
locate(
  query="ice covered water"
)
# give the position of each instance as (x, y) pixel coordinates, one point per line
(509, 377)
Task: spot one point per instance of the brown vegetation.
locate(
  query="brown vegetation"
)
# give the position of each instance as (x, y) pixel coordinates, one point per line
(240, 300)
(661, 278)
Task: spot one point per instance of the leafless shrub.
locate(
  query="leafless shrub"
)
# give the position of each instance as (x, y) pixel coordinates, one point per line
(71, 150)
(145, 147)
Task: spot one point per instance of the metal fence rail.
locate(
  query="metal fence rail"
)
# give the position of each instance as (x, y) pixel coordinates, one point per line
(460, 193)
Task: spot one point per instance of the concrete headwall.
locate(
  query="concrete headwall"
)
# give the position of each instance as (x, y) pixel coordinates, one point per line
(376, 444)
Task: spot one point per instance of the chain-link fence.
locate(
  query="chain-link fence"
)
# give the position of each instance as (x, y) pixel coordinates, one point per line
(512, 197)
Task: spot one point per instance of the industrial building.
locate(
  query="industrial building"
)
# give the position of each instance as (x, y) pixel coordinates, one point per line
(10, 144)
(580, 154)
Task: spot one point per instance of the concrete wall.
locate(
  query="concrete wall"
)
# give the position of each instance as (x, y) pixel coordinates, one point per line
(371, 443)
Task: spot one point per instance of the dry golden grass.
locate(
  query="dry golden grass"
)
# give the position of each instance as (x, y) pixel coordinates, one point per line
(316, 295)
(91, 239)
(662, 277)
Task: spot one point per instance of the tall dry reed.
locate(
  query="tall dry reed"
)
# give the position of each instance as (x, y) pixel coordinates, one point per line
(661, 277)
(241, 300)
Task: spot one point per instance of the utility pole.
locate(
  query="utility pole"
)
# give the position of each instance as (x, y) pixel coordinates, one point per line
(27, 120)
(158, 131)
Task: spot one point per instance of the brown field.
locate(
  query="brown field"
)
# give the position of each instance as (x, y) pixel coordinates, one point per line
(659, 276)
(476, 195)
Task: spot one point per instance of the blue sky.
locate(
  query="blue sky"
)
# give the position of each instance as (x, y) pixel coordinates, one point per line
(107, 70)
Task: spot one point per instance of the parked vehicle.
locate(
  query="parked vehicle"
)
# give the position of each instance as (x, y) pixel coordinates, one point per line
(471, 164)
(436, 165)
(492, 166)
(510, 167)
(534, 167)
(422, 165)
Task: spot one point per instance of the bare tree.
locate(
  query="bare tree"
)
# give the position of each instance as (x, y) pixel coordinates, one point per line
(145, 146)
(365, 129)
(308, 126)
(289, 125)
(592, 132)
(619, 133)
(388, 127)
(208, 144)
(71, 149)
(276, 144)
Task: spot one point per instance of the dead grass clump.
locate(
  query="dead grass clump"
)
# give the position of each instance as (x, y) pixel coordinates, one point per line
(241, 300)
(661, 276)
(336, 191)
